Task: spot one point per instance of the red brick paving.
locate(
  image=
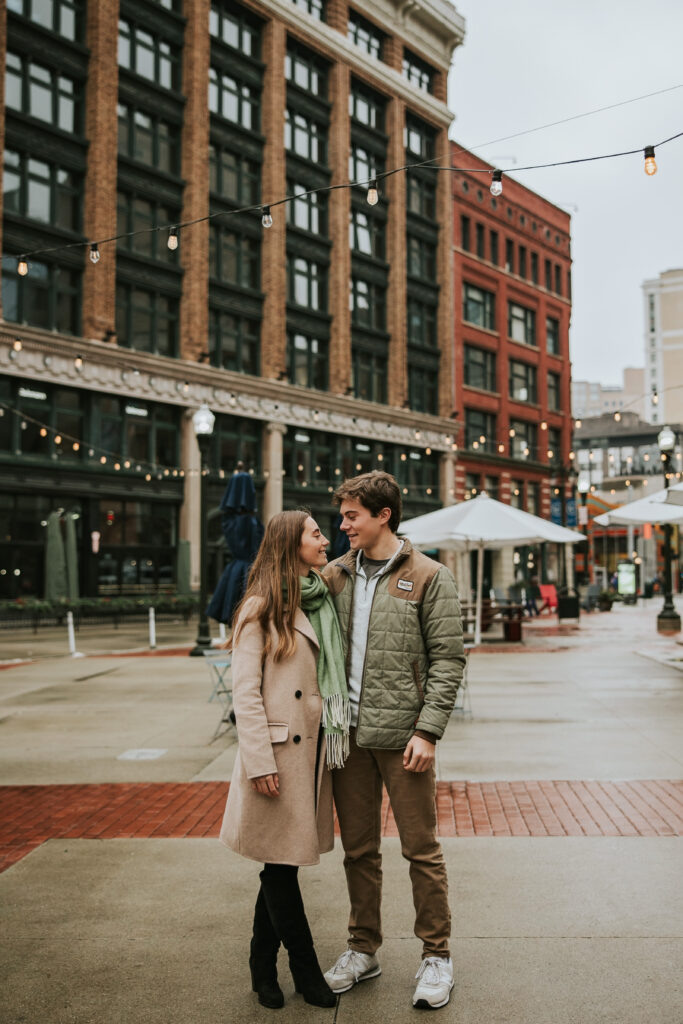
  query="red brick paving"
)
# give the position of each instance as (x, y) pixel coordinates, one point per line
(30, 815)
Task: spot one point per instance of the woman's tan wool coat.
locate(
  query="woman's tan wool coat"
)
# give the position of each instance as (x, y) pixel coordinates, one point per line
(278, 709)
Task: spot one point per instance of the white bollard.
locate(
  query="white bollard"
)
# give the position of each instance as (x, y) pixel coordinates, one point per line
(152, 630)
(72, 636)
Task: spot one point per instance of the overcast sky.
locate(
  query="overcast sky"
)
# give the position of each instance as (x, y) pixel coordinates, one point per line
(533, 62)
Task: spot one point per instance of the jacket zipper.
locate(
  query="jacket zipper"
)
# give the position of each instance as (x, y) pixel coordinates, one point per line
(352, 576)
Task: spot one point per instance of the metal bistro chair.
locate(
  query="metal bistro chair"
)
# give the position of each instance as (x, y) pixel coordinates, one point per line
(218, 664)
(463, 705)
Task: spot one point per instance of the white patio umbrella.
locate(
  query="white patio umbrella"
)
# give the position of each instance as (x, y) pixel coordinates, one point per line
(675, 495)
(484, 523)
(656, 508)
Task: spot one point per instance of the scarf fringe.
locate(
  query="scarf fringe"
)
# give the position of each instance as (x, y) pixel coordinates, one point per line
(336, 724)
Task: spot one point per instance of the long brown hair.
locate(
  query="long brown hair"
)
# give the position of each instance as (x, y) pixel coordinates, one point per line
(274, 572)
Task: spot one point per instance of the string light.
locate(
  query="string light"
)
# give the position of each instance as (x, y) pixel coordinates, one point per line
(16, 345)
(496, 188)
(58, 438)
(172, 242)
(655, 397)
(78, 362)
(266, 217)
(617, 417)
(650, 162)
(372, 195)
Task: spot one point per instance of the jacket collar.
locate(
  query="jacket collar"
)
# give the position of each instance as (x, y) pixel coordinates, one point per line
(302, 625)
(348, 561)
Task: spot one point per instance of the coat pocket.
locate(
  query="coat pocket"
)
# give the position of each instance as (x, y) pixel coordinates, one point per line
(418, 682)
(279, 731)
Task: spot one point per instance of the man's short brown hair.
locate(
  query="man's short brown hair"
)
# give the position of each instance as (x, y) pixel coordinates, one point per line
(374, 491)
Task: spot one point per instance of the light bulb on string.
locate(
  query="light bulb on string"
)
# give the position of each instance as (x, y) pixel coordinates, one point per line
(266, 217)
(650, 162)
(617, 417)
(94, 253)
(496, 188)
(22, 268)
(373, 194)
(16, 345)
(172, 242)
(78, 363)
(655, 397)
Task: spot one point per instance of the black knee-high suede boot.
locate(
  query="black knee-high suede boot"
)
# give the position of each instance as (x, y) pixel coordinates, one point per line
(280, 887)
(263, 957)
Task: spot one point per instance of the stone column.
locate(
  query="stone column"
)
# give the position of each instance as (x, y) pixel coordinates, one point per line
(99, 198)
(273, 466)
(190, 510)
(194, 240)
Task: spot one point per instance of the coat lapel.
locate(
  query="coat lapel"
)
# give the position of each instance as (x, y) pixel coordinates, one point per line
(302, 624)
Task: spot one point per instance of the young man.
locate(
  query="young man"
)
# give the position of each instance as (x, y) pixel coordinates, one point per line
(402, 632)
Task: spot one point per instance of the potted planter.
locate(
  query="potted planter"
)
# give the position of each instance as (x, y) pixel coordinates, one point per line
(605, 601)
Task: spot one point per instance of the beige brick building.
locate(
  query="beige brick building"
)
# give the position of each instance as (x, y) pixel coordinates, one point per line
(663, 300)
(323, 344)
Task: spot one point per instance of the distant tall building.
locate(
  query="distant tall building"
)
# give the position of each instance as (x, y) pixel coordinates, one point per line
(664, 346)
(590, 398)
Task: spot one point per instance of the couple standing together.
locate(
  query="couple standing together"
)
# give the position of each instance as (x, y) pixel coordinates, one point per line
(344, 678)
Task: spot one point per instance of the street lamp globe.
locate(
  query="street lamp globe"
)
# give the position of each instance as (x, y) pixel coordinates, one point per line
(584, 482)
(666, 439)
(203, 421)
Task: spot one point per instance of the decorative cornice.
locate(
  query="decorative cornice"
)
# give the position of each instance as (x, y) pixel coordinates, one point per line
(106, 368)
(385, 77)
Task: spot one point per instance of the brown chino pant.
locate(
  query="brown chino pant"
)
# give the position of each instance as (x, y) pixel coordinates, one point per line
(358, 799)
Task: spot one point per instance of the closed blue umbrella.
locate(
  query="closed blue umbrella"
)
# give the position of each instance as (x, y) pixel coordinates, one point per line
(55, 559)
(71, 557)
(243, 533)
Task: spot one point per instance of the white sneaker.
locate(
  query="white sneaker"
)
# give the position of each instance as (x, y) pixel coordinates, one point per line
(350, 968)
(435, 981)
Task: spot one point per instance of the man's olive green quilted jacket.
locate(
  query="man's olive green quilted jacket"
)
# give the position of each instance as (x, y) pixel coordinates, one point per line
(414, 659)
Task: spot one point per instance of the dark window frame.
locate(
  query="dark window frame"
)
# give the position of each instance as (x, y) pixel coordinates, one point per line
(125, 313)
(166, 55)
(521, 321)
(523, 382)
(486, 303)
(308, 360)
(56, 189)
(480, 368)
(246, 339)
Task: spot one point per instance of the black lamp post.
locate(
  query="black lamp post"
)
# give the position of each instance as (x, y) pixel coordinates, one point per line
(668, 620)
(203, 421)
(583, 487)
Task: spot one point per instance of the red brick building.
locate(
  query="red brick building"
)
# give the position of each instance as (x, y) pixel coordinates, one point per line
(512, 313)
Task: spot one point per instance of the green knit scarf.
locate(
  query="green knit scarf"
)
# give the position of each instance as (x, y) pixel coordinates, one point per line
(316, 602)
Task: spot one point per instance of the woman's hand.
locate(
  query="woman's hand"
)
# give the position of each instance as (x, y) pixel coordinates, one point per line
(267, 785)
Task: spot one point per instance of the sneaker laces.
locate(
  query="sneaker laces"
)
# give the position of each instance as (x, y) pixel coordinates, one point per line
(430, 970)
(343, 962)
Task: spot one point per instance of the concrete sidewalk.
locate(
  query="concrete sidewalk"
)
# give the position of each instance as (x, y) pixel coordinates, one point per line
(566, 930)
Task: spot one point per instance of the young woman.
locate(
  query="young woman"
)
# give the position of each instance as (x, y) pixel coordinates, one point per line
(292, 708)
